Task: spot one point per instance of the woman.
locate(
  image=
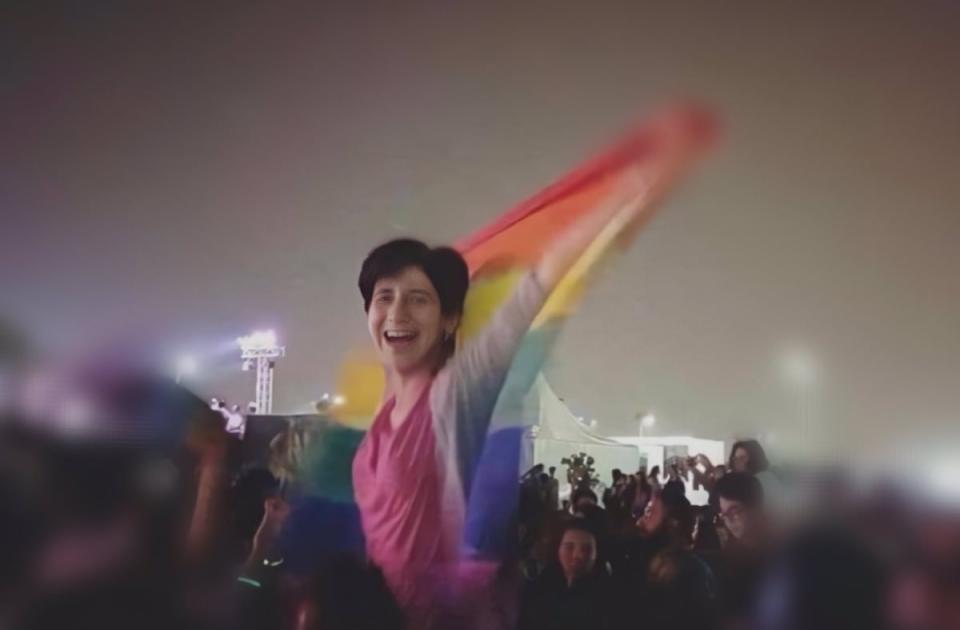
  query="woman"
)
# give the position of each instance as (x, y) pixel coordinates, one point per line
(573, 592)
(749, 457)
(412, 468)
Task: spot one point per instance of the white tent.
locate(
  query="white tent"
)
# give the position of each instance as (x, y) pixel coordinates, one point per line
(558, 434)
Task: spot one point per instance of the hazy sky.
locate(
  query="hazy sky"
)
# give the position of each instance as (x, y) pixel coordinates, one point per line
(201, 171)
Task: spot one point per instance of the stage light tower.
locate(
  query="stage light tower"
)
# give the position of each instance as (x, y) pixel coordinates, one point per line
(261, 351)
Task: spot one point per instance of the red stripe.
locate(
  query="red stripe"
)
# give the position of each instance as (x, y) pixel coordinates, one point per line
(625, 151)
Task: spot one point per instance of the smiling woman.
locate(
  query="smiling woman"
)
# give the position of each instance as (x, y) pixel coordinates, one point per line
(414, 298)
(415, 472)
(405, 472)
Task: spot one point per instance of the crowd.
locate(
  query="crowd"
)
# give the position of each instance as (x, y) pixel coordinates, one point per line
(639, 555)
(641, 548)
(117, 526)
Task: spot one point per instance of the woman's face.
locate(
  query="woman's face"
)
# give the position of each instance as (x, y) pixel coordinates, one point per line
(740, 460)
(406, 323)
(577, 553)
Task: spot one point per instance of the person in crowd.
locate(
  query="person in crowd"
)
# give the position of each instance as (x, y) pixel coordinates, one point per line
(532, 473)
(742, 562)
(412, 471)
(543, 485)
(617, 477)
(618, 498)
(553, 490)
(667, 523)
(246, 505)
(681, 594)
(599, 522)
(653, 477)
(581, 499)
(705, 474)
(539, 541)
(706, 540)
(740, 508)
(747, 456)
(261, 596)
(669, 515)
(643, 492)
(574, 591)
(530, 499)
(236, 422)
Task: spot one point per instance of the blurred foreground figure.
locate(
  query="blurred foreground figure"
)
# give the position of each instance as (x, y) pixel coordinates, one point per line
(110, 478)
(925, 587)
(347, 594)
(823, 580)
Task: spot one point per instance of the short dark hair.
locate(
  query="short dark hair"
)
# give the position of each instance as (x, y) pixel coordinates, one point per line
(579, 524)
(583, 493)
(741, 487)
(678, 512)
(444, 266)
(757, 457)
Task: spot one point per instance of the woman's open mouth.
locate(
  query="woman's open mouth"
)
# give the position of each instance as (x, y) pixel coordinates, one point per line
(399, 338)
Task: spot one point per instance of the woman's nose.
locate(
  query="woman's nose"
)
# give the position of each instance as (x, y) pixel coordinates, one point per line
(397, 312)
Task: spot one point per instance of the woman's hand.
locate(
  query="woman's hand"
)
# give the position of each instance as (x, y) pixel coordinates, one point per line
(676, 140)
(630, 199)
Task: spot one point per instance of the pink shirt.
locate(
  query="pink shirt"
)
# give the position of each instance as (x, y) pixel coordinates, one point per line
(398, 490)
(411, 483)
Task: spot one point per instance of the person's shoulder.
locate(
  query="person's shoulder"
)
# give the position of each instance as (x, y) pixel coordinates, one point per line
(443, 385)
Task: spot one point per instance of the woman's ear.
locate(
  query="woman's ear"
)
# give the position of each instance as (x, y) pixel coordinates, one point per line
(450, 325)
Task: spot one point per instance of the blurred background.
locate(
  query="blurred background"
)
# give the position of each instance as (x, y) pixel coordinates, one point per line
(184, 173)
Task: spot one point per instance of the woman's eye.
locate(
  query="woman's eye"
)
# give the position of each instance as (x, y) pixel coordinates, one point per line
(383, 298)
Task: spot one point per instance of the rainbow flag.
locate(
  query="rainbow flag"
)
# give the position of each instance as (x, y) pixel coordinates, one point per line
(665, 147)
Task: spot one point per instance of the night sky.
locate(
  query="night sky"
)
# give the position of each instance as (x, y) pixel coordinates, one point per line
(193, 172)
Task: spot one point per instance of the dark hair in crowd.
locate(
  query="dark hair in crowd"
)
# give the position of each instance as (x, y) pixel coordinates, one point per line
(683, 592)
(741, 487)
(583, 493)
(679, 515)
(758, 461)
(579, 524)
(444, 266)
